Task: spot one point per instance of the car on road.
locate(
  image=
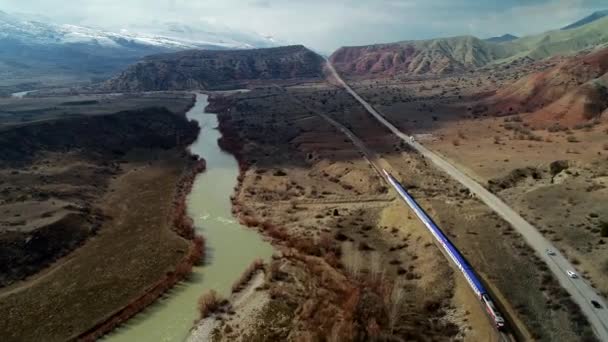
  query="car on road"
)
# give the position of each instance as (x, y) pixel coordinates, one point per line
(572, 274)
(596, 304)
(550, 252)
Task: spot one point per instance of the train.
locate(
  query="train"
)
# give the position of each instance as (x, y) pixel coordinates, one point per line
(452, 252)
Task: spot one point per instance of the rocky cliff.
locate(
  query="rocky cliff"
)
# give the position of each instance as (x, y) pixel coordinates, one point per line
(203, 69)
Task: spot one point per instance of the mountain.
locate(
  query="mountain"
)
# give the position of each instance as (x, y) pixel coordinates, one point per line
(586, 20)
(206, 69)
(33, 50)
(561, 42)
(218, 34)
(504, 38)
(570, 93)
(436, 56)
(458, 54)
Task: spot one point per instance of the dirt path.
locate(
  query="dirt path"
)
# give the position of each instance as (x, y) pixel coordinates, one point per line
(582, 293)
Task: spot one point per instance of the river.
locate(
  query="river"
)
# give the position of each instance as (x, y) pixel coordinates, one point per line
(230, 247)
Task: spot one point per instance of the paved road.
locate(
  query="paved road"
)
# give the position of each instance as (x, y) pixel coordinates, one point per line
(581, 292)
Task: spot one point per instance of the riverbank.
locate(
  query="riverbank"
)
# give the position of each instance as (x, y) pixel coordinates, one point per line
(182, 225)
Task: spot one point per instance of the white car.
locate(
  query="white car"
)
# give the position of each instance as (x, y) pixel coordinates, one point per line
(572, 274)
(550, 252)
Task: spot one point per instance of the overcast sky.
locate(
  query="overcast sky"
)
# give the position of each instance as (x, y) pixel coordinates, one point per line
(324, 24)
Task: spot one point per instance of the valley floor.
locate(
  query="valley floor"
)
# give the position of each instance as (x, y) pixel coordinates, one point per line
(306, 185)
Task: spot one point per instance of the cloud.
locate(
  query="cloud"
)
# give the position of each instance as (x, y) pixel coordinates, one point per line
(260, 4)
(324, 24)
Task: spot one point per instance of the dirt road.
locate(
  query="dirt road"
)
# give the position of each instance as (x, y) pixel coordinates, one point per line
(581, 292)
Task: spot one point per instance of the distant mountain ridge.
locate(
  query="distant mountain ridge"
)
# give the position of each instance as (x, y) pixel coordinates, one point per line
(504, 38)
(31, 49)
(437, 56)
(458, 54)
(586, 20)
(206, 69)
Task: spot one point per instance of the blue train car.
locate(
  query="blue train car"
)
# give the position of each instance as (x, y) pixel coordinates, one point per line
(451, 251)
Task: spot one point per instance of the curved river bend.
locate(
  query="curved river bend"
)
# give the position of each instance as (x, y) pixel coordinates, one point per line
(230, 247)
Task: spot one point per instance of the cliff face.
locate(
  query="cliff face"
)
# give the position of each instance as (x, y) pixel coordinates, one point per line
(203, 69)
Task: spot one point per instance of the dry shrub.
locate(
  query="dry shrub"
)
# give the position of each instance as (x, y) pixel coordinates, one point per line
(246, 276)
(332, 259)
(351, 258)
(250, 221)
(341, 331)
(209, 303)
(376, 269)
(572, 139)
(275, 231)
(393, 300)
(326, 242)
(197, 257)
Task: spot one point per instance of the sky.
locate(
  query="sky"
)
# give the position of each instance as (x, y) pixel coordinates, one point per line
(324, 25)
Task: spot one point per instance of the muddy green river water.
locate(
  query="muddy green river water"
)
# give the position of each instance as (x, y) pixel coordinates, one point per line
(230, 247)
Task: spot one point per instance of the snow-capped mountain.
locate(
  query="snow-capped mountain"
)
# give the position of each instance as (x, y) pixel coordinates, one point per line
(31, 46)
(212, 33)
(171, 36)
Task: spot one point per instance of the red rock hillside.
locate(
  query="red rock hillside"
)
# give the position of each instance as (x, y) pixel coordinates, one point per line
(570, 93)
(437, 56)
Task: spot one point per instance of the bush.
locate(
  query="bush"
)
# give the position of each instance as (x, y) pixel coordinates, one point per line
(604, 228)
(208, 303)
(246, 276)
(556, 127)
(572, 139)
